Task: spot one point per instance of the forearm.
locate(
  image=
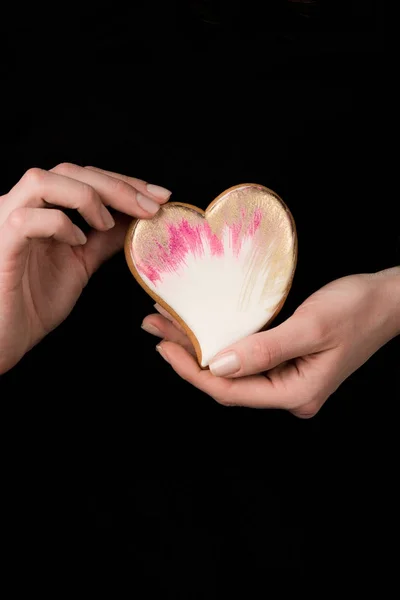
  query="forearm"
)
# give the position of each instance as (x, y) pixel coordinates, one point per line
(396, 298)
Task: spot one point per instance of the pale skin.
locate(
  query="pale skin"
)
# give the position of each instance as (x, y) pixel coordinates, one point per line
(46, 261)
(298, 364)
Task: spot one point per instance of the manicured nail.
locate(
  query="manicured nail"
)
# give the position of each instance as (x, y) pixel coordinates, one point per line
(162, 352)
(151, 329)
(162, 311)
(166, 314)
(106, 217)
(80, 236)
(226, 364)
(158, 191)
(147, 204)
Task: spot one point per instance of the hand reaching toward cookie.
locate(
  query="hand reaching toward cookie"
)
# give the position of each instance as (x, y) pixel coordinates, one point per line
(46, 260)
(298, 364)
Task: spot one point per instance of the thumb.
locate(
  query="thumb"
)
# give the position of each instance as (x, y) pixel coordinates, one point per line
(265, 350)
(102, 245)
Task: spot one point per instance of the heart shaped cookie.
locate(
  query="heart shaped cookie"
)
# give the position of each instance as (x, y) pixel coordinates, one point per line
(223, 273)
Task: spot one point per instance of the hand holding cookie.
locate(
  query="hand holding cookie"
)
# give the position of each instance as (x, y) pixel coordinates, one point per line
(45, 259)
(297, 365)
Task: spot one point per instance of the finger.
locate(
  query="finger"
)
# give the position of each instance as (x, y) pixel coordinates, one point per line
(40, 189)
(163, 328)
(159, 193)
(297, 336)
(255, 391)
(102, 245)
(25, 224)
(115, 192)
(166, 314)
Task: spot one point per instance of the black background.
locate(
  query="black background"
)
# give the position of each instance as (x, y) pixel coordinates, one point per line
(109, 459)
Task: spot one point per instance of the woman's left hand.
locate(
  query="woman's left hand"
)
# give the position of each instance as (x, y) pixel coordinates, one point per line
(297, 365)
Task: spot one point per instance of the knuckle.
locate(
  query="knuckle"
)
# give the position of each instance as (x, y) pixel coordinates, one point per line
(226, 397)
(17, 218)
(60, 220)
(65, 168)
(34, 176)
(266, 354)
(307, 411)
(318, 330)
(309, 405)
(222, 401)
(120, 187)
(88, 195)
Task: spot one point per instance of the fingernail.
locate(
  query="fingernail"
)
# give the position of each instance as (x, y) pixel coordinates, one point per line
(162, 311)
(226, 364)
(80, 236)
(151, 329)
(147, 204)
(158, 191)
(162, 352)
(107, 218)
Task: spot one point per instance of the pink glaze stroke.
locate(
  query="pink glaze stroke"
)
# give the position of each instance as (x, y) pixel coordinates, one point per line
(185, 238)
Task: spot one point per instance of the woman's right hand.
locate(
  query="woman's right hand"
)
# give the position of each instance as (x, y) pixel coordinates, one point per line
(46, 260)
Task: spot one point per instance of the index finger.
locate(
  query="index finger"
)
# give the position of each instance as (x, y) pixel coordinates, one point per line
(117, 191)
(159, 193)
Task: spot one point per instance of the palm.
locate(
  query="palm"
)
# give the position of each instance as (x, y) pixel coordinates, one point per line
(53, 277)
(53, 280)
(45, 259)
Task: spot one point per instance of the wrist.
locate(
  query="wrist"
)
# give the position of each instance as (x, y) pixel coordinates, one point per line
(388, 282)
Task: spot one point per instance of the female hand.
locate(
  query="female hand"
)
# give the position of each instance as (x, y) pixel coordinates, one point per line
(297, 365)
(46, 260)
